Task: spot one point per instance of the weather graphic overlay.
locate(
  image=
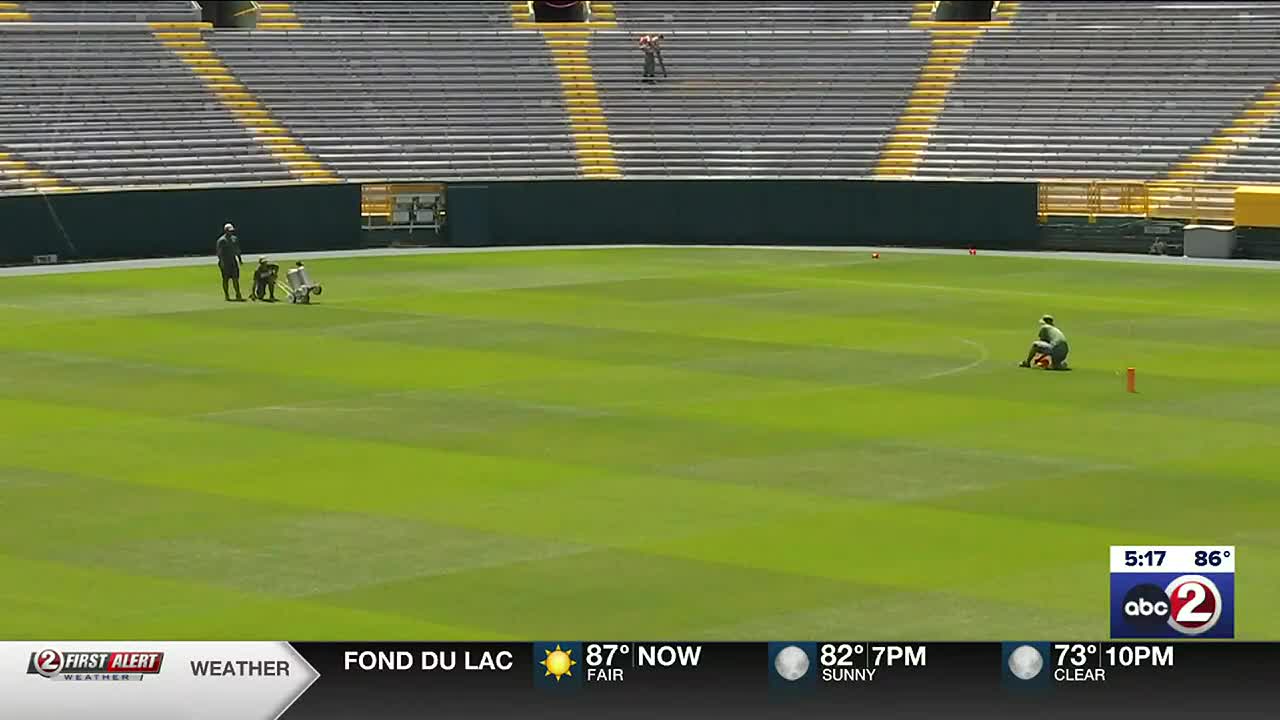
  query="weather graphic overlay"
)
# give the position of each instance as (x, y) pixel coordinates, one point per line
(559, 663)
(1178, 591)
(555, 665)
(792, 667)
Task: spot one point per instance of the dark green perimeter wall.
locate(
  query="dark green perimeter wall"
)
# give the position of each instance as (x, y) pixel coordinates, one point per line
(318, 217)
(772, 212)
(163, 223)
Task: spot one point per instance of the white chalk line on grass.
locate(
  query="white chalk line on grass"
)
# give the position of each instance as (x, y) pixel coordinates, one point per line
(601, 411)
(983, 356)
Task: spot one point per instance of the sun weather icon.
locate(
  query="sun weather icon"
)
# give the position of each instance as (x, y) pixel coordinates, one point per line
(559, 663)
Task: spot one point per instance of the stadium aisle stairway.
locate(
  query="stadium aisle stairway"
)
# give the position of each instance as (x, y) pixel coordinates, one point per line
(570, 50)
(187, 42)
(1245, 130)
(17, 175)
(13, 12)
(950, 46)
(277, 16)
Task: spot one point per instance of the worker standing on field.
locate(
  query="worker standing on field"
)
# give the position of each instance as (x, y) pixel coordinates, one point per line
(228, 252)
(1051, 345)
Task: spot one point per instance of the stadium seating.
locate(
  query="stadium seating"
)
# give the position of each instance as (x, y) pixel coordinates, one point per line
(1067, 93)
(109, 106)
(758, 89)
(59, 11)
(659, 15)
(384, 91)
(411, 13)
(412, 106)
(787, 105)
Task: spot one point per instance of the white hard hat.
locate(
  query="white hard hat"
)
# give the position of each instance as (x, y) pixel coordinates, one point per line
(228, 227)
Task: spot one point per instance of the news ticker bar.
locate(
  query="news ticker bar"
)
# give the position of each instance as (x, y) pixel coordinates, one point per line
(550, 678)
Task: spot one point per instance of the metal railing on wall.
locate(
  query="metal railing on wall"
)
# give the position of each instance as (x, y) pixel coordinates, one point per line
(1168, 200)
(402, 205)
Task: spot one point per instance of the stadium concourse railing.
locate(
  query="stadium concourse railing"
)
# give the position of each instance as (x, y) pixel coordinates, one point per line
(1196, 202)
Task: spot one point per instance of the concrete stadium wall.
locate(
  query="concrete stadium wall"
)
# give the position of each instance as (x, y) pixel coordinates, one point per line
(765, 212)
(166, 223)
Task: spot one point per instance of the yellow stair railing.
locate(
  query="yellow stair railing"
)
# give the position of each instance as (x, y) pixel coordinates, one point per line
(1193, 202)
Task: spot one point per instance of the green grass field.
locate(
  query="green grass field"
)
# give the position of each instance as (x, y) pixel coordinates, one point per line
(636, 443)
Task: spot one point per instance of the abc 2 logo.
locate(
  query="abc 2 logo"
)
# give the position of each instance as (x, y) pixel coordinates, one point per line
(1170, 605)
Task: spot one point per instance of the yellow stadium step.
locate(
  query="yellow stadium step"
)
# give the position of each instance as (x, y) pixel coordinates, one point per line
(15, 17)
(181, 25)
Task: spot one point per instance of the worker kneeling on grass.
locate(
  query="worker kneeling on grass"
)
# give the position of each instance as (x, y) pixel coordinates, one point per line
(264, 281)
(1050, 350)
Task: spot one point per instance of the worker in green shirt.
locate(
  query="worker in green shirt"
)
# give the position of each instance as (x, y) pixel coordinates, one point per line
(228, 252)
(1050, 343)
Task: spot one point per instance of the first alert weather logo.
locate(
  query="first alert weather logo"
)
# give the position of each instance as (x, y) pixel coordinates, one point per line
(559, 662)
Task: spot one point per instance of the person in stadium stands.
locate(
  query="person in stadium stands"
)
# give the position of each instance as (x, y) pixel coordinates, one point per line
(264, 281)
(228, 252)
(651, 45)
(1050, 348)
